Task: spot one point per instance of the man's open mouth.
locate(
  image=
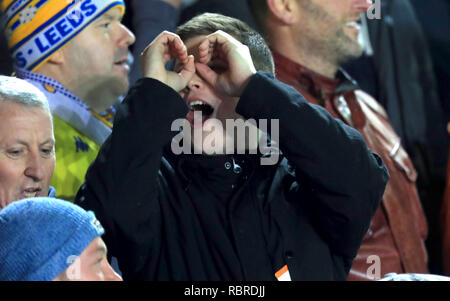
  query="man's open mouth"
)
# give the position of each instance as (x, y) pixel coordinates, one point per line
(203, 107)
(200, 111)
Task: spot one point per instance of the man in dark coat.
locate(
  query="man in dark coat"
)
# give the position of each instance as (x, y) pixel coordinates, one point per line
(294, 209)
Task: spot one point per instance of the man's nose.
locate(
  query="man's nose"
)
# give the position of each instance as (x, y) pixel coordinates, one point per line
(195, 83)
(35, 167)
(111, 275)
(127, 38)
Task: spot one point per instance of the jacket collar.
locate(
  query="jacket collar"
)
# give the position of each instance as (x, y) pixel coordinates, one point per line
(216, 165)
(320, 87)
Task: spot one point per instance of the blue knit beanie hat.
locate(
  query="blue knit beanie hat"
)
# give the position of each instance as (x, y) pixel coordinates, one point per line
(39, 236)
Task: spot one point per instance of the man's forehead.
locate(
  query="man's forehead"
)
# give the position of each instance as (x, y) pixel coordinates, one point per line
(193, 43)
(6, 106)
(114, 13)
(96, 246)
(10, 110)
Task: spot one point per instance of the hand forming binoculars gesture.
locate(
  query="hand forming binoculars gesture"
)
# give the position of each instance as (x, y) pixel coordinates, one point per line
(215, 50)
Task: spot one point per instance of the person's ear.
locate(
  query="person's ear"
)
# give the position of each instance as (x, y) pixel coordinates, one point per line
(283, 10)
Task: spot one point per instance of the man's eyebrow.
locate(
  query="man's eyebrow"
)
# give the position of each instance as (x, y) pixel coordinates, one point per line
(98, 254)
(51, 141)
(110, 17)
(21, 142)
(106, 16)
(26, 144)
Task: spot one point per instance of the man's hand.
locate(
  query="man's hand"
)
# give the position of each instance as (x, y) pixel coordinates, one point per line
(225, 63)
(167, 46)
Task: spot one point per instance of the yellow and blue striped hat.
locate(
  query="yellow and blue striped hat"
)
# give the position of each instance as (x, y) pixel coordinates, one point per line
(36, 29)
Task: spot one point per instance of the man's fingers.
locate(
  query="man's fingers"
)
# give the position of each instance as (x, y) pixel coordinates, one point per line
(179, 80)
(205, 51)
(188, 70)
(223, 40)
(176, 48)
(168, 43)
(205, 72)
(216, 45)
(165, 47)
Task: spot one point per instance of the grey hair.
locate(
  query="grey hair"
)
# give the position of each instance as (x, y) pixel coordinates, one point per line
(21, 92)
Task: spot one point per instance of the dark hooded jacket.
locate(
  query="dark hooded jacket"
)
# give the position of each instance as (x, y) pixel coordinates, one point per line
(230, 217)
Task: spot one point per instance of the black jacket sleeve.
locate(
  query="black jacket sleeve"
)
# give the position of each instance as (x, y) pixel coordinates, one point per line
(346, 179)
(128, 164)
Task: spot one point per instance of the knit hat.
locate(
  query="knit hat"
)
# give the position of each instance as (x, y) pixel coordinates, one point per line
(36, 29)
(40, 236)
